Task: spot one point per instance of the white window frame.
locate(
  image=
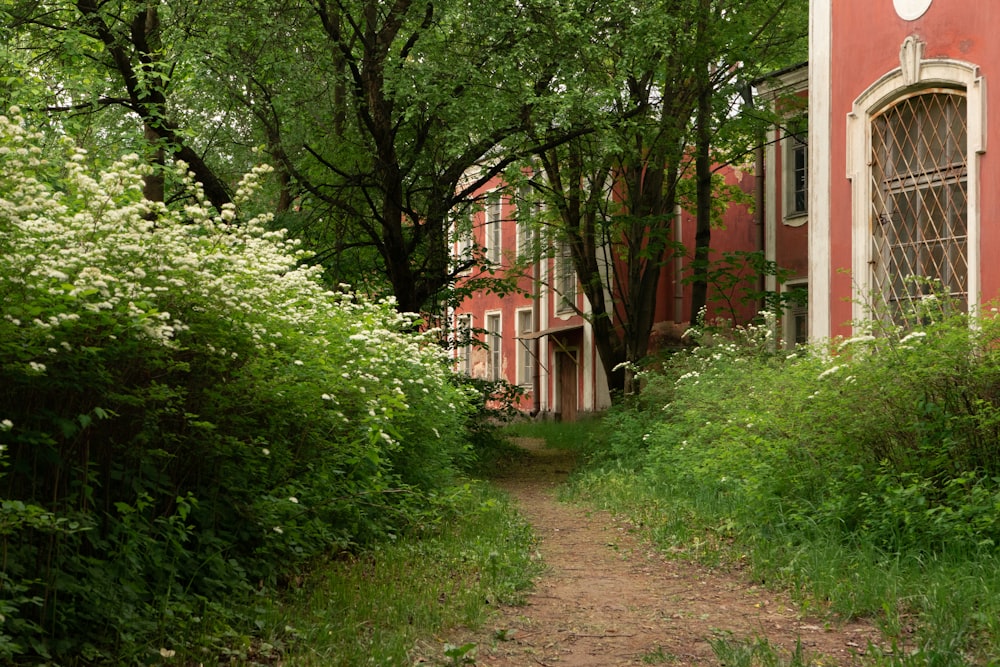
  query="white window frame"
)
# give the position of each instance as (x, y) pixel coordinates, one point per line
(527, 233)
(525, 355)
(794, 215)
(792, 312)
(913, 75)
(494, 345)
(565, 287)
(463, 238)
(493, 227)
(463, 327)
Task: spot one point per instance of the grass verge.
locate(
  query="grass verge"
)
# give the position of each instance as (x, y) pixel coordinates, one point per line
(375, 608)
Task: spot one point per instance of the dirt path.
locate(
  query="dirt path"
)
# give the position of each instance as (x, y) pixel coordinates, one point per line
(607, 598)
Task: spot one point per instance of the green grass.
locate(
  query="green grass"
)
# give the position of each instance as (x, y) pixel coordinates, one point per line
(944, 610)
(576, 435)
(756, 652)
(382, 607)
(862, 478)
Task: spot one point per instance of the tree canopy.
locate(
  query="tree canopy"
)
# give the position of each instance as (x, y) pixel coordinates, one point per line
(383, 119)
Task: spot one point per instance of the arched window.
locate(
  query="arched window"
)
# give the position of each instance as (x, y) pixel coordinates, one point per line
(914, 138)
(919, 200)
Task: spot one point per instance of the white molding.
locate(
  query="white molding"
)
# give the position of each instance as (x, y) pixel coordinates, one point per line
(788, 321)
(911, 10)
(909, 78)
(489, 349)
(520, 348)
(820, 132)
(589, 363)
(771, 200)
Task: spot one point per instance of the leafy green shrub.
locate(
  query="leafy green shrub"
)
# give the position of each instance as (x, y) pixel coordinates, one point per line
(863, 471)
(186, 412)
(496, 404)
(888, 439)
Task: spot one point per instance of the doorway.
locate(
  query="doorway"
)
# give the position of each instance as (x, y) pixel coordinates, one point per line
(566, 369)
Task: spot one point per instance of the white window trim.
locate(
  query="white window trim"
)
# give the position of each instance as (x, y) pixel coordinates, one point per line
(527, 233)
(462, 231)
(493, 226)
(463, 353)
(566, 299)
(791, 217)
(788, 316)
(915, 74)
(524, 352)
(494, 366)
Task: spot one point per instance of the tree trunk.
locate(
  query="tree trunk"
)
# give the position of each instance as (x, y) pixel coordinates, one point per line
(703, 205)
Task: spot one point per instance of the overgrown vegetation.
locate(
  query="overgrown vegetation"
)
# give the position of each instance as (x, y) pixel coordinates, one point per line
(863, 474)
(385, 607)
(188, 417)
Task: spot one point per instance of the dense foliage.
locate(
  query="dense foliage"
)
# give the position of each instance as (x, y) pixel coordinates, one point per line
(865, 472)
(386, 122)
(186, 412)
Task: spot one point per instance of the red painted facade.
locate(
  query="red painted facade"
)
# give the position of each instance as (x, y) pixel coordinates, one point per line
(866, 38)
(567, 377)
(866, 59)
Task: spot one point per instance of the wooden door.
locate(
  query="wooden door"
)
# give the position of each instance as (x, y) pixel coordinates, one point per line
(567, 373)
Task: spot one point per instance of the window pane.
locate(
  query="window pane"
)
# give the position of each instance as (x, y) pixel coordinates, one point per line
(494, 342)
(525, 364)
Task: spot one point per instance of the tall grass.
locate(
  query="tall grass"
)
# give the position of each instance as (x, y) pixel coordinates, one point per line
(861, 475)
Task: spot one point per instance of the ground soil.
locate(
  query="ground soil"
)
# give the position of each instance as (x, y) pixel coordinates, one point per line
(608, 597)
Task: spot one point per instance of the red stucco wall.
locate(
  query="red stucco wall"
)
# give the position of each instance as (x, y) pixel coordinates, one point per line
(866, 39)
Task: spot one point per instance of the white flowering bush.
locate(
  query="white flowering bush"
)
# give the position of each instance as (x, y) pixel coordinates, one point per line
(190, 408)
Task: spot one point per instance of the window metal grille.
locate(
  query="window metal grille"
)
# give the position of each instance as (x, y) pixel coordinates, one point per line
(919, 201)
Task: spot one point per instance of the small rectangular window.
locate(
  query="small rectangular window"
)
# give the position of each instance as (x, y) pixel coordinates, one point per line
(463, 335)
(494, 228)
(800, 177)
(796, 167)
(494, 344)
(565, 277)
(796, 318)
(525, 354)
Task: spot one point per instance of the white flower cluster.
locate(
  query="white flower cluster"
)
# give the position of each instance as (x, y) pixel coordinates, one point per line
(88, 251)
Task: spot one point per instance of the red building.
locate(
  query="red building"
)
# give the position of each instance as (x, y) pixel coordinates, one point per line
(881, 201)
(542, 340)
(785, 198)
(899, 169)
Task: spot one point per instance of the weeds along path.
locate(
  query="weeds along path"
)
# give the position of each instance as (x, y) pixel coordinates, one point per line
(608, 598)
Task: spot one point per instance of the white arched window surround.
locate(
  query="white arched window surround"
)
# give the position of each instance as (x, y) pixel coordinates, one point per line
(915, 74)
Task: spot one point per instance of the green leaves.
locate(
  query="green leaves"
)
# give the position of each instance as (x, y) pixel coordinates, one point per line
(185, 409)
